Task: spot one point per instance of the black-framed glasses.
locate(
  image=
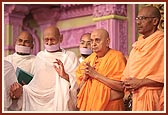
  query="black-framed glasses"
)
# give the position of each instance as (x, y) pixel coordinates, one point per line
(142, 17)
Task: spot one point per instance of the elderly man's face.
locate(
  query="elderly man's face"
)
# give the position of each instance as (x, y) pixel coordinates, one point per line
(51, 37)
(98, 42)
(25, 39)
(145, 22)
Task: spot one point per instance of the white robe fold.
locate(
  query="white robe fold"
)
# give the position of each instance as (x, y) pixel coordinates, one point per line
(9, 79)
(22, 61)
(48, 91)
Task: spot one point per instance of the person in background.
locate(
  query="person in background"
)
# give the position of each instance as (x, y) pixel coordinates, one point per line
(85, 46)
(144, 72)
(53, 87)
(11, 102)
(99, 75)
(22, 57)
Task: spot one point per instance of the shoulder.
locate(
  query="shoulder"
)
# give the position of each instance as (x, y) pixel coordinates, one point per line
(8, 65)
(70, 53)
(40, 53)
(11, 55)
(116, 53)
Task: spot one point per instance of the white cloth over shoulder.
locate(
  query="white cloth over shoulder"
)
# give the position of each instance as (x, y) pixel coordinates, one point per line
(22, 61)
(47, 91)
(9, 79)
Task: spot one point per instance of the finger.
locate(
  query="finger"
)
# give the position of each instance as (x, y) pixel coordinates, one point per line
(129, 87)
(16, 85)
(88, 64)
(126, 83)
(59, 62)
(56, 68)
(94, 67)
(12, 87)
(10, 94)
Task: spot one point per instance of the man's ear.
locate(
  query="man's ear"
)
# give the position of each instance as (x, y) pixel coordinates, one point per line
(155, 21)
(108, 42)
(61, 38)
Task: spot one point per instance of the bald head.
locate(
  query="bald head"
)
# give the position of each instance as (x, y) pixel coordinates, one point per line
(25, 39)
(52, 39)
(25, 34)
(100, 42)
(51, 31)
(24, 43)
(151, 11)
(101, 32)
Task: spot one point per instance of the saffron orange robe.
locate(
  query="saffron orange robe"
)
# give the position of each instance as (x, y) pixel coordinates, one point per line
(146, 60)
(161, 102)
(94, 95)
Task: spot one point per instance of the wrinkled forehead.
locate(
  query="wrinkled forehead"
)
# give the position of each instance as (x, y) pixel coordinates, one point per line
(145, 12)
(25, 35)
(51, 33)
(85, 38)
(97, 34)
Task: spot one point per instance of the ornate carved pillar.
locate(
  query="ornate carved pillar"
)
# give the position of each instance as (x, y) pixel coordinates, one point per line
(112, 17)
(13, 21)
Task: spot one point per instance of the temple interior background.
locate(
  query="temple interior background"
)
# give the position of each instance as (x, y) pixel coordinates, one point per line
(73, 20)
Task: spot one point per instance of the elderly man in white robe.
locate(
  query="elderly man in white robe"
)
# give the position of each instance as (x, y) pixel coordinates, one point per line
(22, 57)
(9, 78)
(53, 87)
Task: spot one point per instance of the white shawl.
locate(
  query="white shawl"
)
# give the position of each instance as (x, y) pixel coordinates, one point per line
(22, 61)
(9, 78)
(48, 91)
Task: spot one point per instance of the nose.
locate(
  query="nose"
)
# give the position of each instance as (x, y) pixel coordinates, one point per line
(93, 43)
(49, 42)
(85, 45)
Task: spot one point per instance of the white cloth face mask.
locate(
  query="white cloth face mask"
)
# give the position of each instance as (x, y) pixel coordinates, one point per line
(51, 48)
(85, 51)
(22, 49)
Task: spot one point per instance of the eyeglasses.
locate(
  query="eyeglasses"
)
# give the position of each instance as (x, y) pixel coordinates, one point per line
(142, 18)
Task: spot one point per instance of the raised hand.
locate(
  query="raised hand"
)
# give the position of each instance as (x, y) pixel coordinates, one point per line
(60, 69)
(90, 71)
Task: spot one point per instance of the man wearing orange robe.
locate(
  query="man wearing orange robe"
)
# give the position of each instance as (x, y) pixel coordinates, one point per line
(99, 75)
(144, 72)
